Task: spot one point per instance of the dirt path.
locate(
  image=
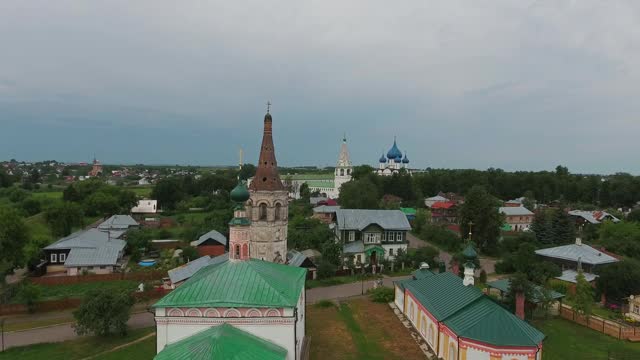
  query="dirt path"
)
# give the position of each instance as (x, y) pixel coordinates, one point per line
(122, 346)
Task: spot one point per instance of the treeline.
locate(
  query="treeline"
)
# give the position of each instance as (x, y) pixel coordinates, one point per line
(617, 190)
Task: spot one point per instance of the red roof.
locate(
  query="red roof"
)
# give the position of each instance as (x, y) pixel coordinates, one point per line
(443, 205)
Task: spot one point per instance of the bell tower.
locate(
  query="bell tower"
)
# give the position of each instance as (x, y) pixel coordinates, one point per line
(268, 204)
(343, 167)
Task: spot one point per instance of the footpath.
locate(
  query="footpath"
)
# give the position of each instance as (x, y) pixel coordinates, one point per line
(143, 319)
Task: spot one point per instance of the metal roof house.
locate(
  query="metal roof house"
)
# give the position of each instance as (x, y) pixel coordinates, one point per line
(91, 251)
(592, 217)
(212, 243)
(118, 222)
(370, 235)
(460, 322)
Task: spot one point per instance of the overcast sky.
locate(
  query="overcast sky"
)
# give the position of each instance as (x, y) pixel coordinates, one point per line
(462, 84)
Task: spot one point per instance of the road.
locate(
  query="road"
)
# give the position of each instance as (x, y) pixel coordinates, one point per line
(141, 320)
(487, 264)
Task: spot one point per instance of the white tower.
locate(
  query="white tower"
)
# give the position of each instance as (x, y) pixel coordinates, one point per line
(343, 168)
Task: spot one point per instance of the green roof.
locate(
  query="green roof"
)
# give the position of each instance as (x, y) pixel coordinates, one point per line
(401, 283)
(469, 252)
(450, 297)
(222, 342)
(505, 284)
(320, 183)
(471, 314)
(249, 283)
(487, 322)
(327, 176)
(422, 273)
(408, 211)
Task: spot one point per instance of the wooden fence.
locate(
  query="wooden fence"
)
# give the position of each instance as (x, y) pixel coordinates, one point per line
(611, 328)
(66, 280)
(70, 303)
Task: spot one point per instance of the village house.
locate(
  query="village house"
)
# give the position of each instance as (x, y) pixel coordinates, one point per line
(444, 212)
(518, 218)
(87, 251)
(212, 243)
(325, 213)
(370, 235)
(591, 217)
(459, 322)
(145, 207)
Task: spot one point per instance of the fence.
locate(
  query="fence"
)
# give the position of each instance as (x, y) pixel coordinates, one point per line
(66, 280)
(611, 328)
(70, 303)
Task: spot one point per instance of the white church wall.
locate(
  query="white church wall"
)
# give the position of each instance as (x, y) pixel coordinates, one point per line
(399, 298)
(474, 354)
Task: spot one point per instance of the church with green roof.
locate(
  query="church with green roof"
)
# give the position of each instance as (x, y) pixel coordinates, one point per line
(237, 308)
(459, 322)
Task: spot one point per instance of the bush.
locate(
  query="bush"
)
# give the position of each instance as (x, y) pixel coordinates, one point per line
(326, 270)
(325, 304)
(29, 294)
(103, 312)
(483, 277)
(381, 294)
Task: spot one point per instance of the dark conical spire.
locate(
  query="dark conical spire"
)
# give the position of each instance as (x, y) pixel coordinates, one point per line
(267, 177)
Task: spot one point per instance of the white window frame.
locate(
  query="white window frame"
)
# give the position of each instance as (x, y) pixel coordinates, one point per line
(54, 258)
(352, 235)
(62, 258)
(399, 236)
(371, 238)
(391, 236)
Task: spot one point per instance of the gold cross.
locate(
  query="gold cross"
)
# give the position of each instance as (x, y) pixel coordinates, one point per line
(268, 106)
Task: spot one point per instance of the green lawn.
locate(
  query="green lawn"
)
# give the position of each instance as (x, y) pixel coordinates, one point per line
(337, 280)
(84, 347)
(141, 191)
(47, 195)
(568, 340)
(78, 290)
(144, 350)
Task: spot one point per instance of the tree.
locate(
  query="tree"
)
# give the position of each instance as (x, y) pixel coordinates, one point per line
(13, 235)
(5, 179)
(519, 284)
(562, 228)
(622, 238)
(584, 295)
(481, 209)
(31, 206)
(427, 254)
(247, 171)
(332, 252)
(359, 194)
(103, 312)
(29, 294)
(168, 191)
(326, 269)
(361, 171)
(634, 215)
(189, 253)
(101, 203)
(619, 280)
(305, 193)
(420, 220)
(62, 217)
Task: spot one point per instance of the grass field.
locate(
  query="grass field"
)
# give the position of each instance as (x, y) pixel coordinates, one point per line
(568, 340)
(141, 191)
(84, 347)
(47, 195)
(359, 329)
(144, 350)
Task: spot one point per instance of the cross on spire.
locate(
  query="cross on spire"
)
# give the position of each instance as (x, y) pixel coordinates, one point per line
(268, 106)
(470, 226)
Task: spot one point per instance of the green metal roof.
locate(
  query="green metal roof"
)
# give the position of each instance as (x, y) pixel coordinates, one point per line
(327, 176)
(320, 183)
(250, 283)
(487, 322)
(443, 294)
(222, 342)
(469, 252)
(505, 284)
(401, 283)
(408, 211)
(368, 249)
(422, 273)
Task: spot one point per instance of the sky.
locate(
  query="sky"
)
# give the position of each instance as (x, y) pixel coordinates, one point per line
(517, 85)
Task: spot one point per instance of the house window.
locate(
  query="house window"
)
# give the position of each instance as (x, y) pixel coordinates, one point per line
(54, 258)
(399, 236)
(352, 235)
(63, 258)
(390, 252)
(103, 267)
(371, 238)
(390, 236)
(90, 267)
(636, 309)
(237, 251)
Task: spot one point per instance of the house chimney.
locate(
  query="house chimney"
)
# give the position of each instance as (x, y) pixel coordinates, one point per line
(520, 305)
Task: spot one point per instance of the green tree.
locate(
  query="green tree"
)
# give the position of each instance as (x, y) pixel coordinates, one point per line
(189, 253)
(62, 217)
(326, 269)
(634, 215)
(31, 206)
(29, 294)
(622, 238)
(584, 295)
(361, 171)
(420, 220)
(101, 203)
(168, 191)
(519, 283)
(562, 228)
(619, 280)
(427, 254)
(5, 179)
(13, 235)
(359, 194)
(481, 209)
(305, 193)
(103, 312)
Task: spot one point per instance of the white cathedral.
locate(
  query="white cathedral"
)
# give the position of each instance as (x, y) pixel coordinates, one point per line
(393, 162)
(325, 184)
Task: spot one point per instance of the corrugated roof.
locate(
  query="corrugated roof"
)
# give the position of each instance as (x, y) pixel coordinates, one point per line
(118, 222)
(570, 276)
(354, 247)
(323, 209)
(408, 211)
(320, 183)
(250, 283)
(102, 256)
(222, 342)
(505, 284)
(422, 273)
(328, 176)
(358, 219)
(573, 252)
(213, 234)
(295, 258)
(515, 211)
(485, 321)
(401, 283)
(594, 217)
(443, 294)
(187, 270)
